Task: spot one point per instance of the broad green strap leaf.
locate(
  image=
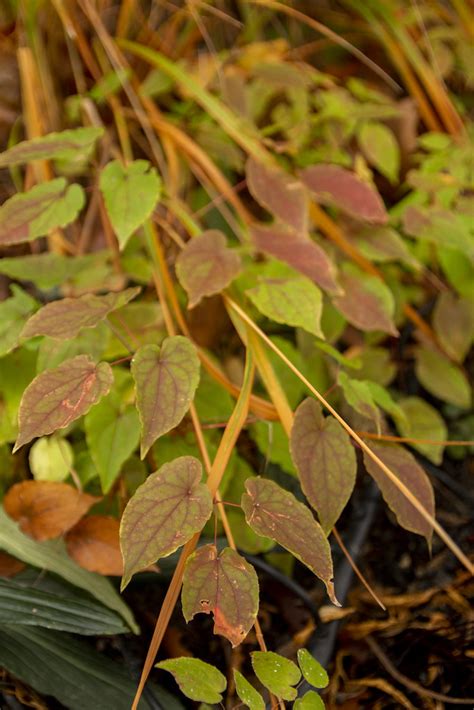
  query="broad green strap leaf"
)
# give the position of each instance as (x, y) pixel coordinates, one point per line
(206, 265)
(275, 513)
(14, 313)
(381, 149)
(250, 697)
(65, 610)
(325, 460)
(298, 251)
(51, 555)
(279, 193)
(58, 397)
(442, 378)
(66, 145)
(311, 669)
(310, 701)
(64, 319)
(294, 301)
(366, 302)
(277, 673)
(453, 322)
(197, 680)
(164, 514)
(166, 379)
(130, 193)
(29, 215)
(346, 190)
(404, 465)
(422, 421)
(51, 459)
(224, 584)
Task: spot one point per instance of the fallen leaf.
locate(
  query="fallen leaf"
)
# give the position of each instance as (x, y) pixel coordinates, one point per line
(94, 544)
(10, 566)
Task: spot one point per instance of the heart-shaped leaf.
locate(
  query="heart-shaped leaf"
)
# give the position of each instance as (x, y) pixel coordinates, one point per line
(277, 673)
(197, 680)
(366, 302)
(224, 584)
(309, 701)
(164, 514)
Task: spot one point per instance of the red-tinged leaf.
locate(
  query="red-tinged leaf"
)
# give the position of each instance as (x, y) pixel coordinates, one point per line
(279, 193)
(32, 214)
(206, 266)
(346, 190)
(299, 252)
(66, 145)
(275, 513)
(164, 514)
(44, 509)
(325, 460)
(65, 318)
(366, 302)
(94, 543)
(453, 321)
(411, 474)
(166, 379)
(58, 397)
(224, 584)
(442, 227)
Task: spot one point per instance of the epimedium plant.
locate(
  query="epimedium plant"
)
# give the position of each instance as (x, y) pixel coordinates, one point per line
(114, 389)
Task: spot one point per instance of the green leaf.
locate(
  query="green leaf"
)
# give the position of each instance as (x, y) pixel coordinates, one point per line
(310, 701)
(64, 319)
(422, 421)
(206, 266)
(275, 513)
(245, 538)
(197, 680)
(16, 372)
(164, 514)
(410, 473)
(29, 215)
(51, 459)
(58, 397)
(273, 444)
(224, 584)
(367, 302)
(312, 670)
(14, 312)
(325, 460)
(294, 301)
(51, 555)
(381, 149)
(442, 227)
(457, 268)
(44, 270)
(358, 394)
(91, 341)
(384, 244)
(277, 673)
(130, 193)
(63, 609)
(166, 380)
(442, 378)
(69, 146)
(453, 322)
(250, 697)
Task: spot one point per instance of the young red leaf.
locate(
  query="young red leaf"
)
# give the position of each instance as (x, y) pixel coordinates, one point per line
(95, 545)
(45, 509)
(32, 214)
(163, 514)
(224, 584)
(366, 302)
(275, 513)
(325, 460)
(65, 318)
(279, 193)
(299, 252)
(346, 190)
(57, 397)
(206, 266)
(409, 472)
(166, 379)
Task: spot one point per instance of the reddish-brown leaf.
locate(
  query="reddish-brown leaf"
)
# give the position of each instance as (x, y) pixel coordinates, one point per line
(57, 397)
(325, 460)
(299, 252)
(206, 266)
(44, 509)
(224, 584)
(411, 474)
(366, 302)
(275, 513)
(10, 566)
(279, 193)
(94, 544)
(164, 514)
(345, 189)
(65, 318)
(453, 321)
